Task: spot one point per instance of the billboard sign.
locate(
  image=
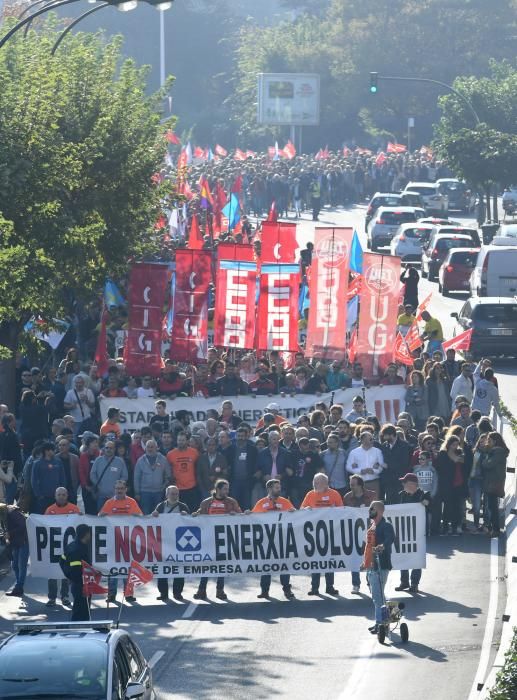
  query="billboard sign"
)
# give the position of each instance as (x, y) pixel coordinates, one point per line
(291, 99)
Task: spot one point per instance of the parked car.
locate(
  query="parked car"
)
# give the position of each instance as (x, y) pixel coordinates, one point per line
(73, 660)
(434, 201)
(408, 241)
(495, 273)
(454, 274)
(510, 200)
(458, 194)
(437, 248)
(458, 228)
(494, 324)
(384, 225)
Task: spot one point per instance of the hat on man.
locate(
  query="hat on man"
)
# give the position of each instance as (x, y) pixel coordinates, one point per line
(409, 477)
(272, 407)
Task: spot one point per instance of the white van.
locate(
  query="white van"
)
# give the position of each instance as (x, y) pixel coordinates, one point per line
(495, 274)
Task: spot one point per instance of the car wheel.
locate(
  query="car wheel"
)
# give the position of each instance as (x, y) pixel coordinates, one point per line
(373, 247)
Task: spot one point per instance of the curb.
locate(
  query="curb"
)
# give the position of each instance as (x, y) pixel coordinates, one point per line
(510, 569)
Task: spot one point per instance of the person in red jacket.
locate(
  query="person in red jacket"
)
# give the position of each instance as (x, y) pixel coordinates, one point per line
(219, 503)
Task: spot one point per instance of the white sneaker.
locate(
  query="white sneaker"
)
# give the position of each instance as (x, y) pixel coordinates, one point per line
(355, 589)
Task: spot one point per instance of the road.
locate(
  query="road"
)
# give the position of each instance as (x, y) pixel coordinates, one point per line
(320, 648)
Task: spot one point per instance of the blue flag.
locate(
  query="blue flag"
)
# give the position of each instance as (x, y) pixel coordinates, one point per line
(303, 299)
(112, 295)
(232, 211)
(356, 256)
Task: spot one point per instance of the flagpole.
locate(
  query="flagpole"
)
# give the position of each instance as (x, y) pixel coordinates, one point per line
(162, 48)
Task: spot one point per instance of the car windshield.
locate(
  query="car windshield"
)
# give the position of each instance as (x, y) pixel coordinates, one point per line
(497, 313)
(424, 189)
(54, 668)
(452, 186)
(396, 217)
(463, 259)
(415, 232)
(447, 243)
(385, 201)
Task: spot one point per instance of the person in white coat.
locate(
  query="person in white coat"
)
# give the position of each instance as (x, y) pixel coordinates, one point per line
(463, 385)
(367, 461)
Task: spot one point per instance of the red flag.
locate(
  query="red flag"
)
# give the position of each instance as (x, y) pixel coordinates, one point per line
(187, 191)
(220, 199)
(137, 576)
(195, 239)
(91, 580)
(172, 137)
(250, 154)
(347, 152)
(380, 159)
(460, 342)
(182, 159)
(378, 312)
(278, 307)
(395, 148)
(289, 150)
(354, 287)
(352, 348)
(101, 353)
(148, 283)
(326, 328)
(239, 155)
(234, 323)
(412, 337)
(423, 306)
(189, 336)
(273, 214)
(278, 242)
(237, 185)
(220, 151)
(401, 352)
(199, 153)
(161, 222)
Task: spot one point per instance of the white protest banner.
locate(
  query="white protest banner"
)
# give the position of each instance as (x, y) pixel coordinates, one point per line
(307, 541)
(385, 402)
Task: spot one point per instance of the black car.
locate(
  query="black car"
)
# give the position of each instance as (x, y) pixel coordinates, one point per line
(494, 324)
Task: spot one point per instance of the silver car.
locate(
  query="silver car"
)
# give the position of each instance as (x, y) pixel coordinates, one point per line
(73, 660)
(386, 222)
(408, 241)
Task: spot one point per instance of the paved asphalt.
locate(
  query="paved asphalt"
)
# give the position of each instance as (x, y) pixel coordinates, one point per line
(318, 648)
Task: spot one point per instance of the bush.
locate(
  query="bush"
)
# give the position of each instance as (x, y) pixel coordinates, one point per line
(506, 681)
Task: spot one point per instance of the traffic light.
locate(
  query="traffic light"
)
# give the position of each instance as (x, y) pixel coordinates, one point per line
(373, 83)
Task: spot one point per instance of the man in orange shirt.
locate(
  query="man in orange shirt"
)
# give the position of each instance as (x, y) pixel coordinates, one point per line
(120, 504)
(219, 503)
(322, 496)
(60, 507)
(274, 502)
(183, 462)
(111, 424)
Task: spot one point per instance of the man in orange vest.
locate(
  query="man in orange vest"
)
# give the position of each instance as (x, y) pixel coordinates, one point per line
(322, 497)
(274, 502)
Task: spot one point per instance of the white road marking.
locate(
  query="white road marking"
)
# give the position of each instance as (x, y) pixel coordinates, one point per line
(189, 611)
(155, 658)
(484, 658)
(361, 670)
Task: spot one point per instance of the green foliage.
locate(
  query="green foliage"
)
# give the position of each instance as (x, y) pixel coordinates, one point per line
(80, 141)
(506, 683)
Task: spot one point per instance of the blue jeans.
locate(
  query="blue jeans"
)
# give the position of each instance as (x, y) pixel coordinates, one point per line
(149, 500)
(19, 560)
(377, 582)
(356, 579)
(475, 486)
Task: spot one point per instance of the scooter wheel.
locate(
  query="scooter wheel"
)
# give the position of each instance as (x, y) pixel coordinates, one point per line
(381, 634)
(404, 632)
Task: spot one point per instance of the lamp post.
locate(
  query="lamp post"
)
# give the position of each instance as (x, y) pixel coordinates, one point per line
(24, 20)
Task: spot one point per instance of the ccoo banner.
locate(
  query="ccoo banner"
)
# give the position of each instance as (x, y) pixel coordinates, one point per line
(308, 541)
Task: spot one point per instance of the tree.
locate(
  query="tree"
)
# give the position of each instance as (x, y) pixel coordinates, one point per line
(80, 142)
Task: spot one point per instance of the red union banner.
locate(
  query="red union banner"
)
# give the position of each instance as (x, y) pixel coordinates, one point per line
(278, 308)
(234, 323)
(326, 329)
(189, 338)
(378, 312)
(147, 286)
(278, 242)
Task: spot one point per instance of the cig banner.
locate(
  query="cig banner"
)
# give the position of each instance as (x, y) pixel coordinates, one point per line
(278, 308)
(378, 312)
(234, 321)
(326, 328)
(147, 287)
(189, 337)
(302, 542)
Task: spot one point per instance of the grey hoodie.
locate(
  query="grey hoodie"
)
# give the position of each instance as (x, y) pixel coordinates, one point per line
(151, 478)
(486, 395)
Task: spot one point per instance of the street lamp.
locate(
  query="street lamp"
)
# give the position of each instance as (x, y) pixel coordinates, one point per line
(122, 5)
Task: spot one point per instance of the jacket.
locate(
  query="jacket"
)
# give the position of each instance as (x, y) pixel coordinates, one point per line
(165, 508)
(207, 474)
(265, 461)
(446, 470)
(486, 395)
(493, 469)
(47, 475)
(385, 535)
(117, 470)
(15, 527)
(417, 497)
(149, 477)
(243, 461)
(398, 463)
(71, 560)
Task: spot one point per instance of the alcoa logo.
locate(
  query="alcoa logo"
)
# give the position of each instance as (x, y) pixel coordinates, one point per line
(188, 539)
(380, 279)
(331, 251)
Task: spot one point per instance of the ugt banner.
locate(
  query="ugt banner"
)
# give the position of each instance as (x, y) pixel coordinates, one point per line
(378, 312)
(189, 337)
(234, 321)
(302, 542)
(326, 328)
(147, 287)
(278, 308)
